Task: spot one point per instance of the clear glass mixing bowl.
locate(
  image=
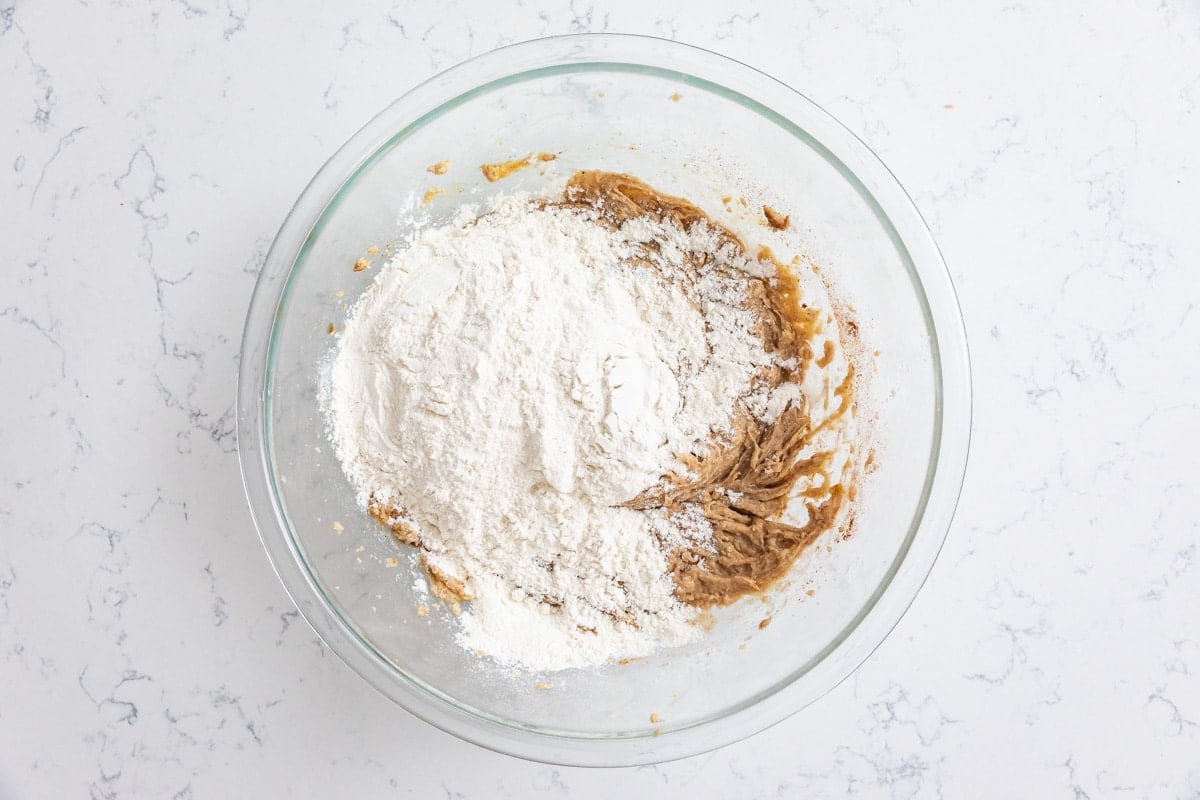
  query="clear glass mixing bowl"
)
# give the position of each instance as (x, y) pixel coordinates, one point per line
(690, 123)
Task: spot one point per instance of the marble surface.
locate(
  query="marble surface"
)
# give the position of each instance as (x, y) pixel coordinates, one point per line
(148, 153)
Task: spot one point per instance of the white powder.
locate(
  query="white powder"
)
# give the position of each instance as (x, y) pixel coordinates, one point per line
(508, 381)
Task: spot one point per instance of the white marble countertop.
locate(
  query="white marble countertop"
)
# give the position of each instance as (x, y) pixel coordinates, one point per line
(148, 154)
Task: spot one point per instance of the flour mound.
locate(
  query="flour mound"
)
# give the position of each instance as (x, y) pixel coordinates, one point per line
(506, 383)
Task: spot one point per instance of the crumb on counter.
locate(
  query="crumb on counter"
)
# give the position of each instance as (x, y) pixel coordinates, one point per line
(432, 193)
(360, 265)
(675, 98)
(336, 527)
(422, 610)
(542, 686)
(440, 168)
(655, 718)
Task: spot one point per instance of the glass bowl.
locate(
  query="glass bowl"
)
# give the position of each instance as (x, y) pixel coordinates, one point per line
(690, 123)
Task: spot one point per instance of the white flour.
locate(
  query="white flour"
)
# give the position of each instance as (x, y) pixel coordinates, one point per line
(508, 382)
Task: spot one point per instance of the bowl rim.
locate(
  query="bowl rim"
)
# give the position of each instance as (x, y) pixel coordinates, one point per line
(874, 183)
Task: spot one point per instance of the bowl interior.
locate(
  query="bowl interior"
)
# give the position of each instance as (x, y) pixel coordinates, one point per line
(688, 137)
